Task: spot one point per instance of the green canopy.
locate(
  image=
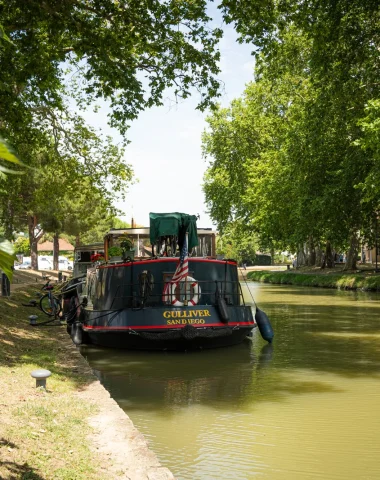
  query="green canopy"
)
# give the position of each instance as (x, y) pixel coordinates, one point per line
(165, 224)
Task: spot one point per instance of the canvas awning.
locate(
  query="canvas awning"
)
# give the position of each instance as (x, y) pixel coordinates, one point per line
(178, 224)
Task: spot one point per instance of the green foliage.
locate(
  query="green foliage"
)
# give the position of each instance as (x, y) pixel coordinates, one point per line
(4, 36)
(7, 154)
(78, 176)
(115, 251)
(294, 160)
(96, 232)
(55, 54)
(7, 258)
(118, 223)
(341, 281)
(235, 242)
(127, 53)
(126, 244)
(21, 245)
(370, 144)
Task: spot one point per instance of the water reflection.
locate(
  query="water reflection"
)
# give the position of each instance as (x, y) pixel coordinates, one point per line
(166, 381)
(328, 331)
(305, 407)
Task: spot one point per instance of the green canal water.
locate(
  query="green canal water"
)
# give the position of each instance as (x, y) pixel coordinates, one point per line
(306, 407)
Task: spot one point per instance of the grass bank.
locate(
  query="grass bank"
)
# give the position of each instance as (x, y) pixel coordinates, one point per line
(329, 279)
(42, 433)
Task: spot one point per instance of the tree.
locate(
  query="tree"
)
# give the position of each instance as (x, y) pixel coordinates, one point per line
(96, 233)
(70, 160)
(127, 53)
(21, 245)
(237, 243)
(285, 157)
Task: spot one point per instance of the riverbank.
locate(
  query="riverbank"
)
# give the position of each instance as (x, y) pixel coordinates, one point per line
(73, 430)
(364, 278)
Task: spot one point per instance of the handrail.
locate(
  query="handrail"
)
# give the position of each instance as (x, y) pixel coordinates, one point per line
(233, 295)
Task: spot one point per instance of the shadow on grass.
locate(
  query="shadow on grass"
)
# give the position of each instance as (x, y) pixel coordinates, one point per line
(11, 470)
(47, 346)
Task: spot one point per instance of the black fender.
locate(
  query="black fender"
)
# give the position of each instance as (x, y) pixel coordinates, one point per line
(222, 309)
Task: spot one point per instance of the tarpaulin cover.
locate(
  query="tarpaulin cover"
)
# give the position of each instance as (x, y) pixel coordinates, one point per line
(165, 224)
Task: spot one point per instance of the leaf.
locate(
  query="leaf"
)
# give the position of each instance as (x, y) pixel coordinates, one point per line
(4, 36)
(8, 170)
(7, 258)
(7, 154)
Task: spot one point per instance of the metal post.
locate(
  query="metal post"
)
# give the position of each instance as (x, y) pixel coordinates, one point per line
(5, 285)
(41, 375)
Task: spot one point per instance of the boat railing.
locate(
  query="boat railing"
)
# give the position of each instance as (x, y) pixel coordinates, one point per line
(139, 294)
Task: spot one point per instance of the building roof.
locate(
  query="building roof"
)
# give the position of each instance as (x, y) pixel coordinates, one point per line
(64, 245)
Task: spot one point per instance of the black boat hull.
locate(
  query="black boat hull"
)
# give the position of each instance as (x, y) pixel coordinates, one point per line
(168, 328)
(210, 338)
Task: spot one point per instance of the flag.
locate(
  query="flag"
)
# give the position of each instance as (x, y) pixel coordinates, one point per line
(180, 273)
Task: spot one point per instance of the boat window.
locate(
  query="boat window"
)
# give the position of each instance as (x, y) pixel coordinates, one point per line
(204, 247)
(138, 244)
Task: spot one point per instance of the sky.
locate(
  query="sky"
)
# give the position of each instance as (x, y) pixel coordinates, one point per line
(165, 148)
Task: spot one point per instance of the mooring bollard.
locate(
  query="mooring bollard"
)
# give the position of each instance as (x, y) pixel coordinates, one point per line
(33, 319)
(41, 375)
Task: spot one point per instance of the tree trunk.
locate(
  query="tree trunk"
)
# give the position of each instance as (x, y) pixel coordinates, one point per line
(272, 252)
(329, 256)
(8, 223)
(33, 240)
(55, 251)
(352, 253)
(318, 257)
(301, 256)
(77, 241)
(312, 253)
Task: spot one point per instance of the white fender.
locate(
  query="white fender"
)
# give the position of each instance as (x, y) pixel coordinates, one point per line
(197, 293)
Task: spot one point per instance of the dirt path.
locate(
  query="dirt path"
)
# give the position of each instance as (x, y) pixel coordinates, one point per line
(122, 450)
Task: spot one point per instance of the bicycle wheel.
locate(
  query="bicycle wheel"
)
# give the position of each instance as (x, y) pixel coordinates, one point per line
(48, 307)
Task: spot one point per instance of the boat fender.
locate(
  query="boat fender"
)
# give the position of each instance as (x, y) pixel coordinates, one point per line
(189, 332)
(77, 333)
(222, 309)
(264, 325)
(193, 301)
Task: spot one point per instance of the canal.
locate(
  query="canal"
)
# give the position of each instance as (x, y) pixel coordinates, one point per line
(306, 407)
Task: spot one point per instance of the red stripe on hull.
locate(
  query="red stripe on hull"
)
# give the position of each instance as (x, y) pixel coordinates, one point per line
(164, 260)
(168, 327)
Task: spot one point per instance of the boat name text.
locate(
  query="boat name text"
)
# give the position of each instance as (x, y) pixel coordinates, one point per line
(185, 317)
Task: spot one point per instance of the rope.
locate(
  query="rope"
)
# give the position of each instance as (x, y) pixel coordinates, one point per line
(246, 283)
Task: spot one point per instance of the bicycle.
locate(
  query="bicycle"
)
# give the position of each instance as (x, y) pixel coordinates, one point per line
(50, 304)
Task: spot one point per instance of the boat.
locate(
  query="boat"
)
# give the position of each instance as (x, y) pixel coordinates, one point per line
(159, 288)
(83, 255)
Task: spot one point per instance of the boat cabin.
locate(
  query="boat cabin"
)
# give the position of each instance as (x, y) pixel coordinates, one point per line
(135, 243)
(84, 257)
